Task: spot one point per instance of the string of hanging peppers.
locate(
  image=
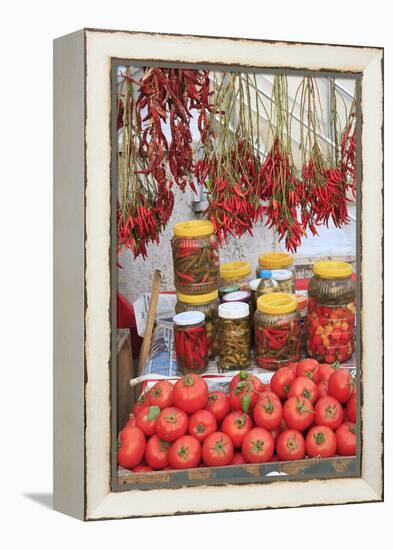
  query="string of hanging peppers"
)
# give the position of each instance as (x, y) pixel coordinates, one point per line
(148, 162)
(248, 181)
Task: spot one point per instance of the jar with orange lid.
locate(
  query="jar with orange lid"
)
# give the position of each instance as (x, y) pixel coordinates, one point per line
(195, 257)
(207, 304)
(275, 260)
(277, 330)
(330, 321)
(235, 273)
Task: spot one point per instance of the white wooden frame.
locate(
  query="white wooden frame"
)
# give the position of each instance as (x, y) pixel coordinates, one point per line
(82, 443)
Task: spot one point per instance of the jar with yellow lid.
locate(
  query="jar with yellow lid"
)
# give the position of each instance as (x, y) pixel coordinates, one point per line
(236, 272)
(275, 260)
(277, 330)
(195, 257)
(330, 321)
(207, 304)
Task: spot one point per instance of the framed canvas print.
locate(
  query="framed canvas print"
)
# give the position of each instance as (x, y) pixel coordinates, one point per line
(218, 340)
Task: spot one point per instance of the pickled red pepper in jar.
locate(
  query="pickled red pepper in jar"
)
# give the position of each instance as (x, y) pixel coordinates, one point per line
(277, 330)
(208, 305)
(191, 342)
(195, 257)
(330, 320)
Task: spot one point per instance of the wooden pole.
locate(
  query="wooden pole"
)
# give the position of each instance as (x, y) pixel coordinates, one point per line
(151, 317)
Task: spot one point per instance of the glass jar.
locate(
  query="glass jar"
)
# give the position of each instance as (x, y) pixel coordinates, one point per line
(227, 290)
(330, 321)
(207, 304)
(239, 296)
(275, 260)
(302, 302)
(191, 342)
(285, 280)
(234, 336)
(235, 273)
(195, 257)
(277, 330)
(266, 284)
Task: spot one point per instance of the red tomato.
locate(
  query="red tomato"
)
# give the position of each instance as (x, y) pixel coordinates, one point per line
(241, 394)
(236, 425)
(218, 404)
(245, 376)
(171, 424)
(258, 446)
(217, 449)
(310, 369)
(147, 419)
(320, 441)
(298, 413)
(326, 371)
(201, 424)
(156, 452)
(131, 421)
(281, 382)
(346, 439)
(328, 412)
(190, 393)
(132, 447)
(304, 387)
(292, 366)
(185, 452)
(290, 445)
(238, 458)
(341, 385)
(138, 406)
(351, 408)
(142, 468)
(322, 388)
(161, 394)
(266, 387)
(268, 412)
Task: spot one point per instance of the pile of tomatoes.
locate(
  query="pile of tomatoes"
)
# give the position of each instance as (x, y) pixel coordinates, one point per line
(307, 410)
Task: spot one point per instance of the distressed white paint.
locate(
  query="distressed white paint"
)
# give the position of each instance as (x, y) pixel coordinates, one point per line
(101, 46)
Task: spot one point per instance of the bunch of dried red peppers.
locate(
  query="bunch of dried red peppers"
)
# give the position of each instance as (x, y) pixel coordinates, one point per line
(245, 183)
(149, 160)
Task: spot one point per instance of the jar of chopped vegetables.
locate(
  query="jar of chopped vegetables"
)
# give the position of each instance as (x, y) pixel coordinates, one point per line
(235, 273)
(195, 257)
(191, 342)
(275, 260)
(277, 330)
(234, 336)
(330, 319)
(207, 304)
